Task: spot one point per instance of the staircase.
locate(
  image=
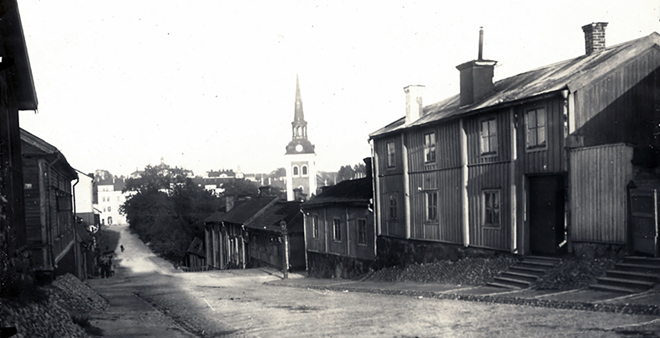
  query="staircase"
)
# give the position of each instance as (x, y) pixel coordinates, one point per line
(524, 273)
(634, 274)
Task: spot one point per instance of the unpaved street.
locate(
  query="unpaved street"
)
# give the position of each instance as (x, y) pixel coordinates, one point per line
(238, 303)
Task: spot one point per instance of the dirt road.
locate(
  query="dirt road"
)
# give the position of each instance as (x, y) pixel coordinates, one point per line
(238, 303)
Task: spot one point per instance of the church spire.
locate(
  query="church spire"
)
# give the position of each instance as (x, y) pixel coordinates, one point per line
(299, 125)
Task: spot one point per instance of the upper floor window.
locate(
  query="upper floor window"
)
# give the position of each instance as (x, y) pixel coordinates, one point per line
(304, 170)
(362, 231)
(432, 206)
(393, 207)
(489, 136)
(492, 206)
(429, 147)
(336, 229)
(315, 226)
(391, 155)
(536, 127)
(295, 170)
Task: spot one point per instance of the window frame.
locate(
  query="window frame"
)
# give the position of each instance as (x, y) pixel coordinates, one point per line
(304, 172)
(315, 226)
(430, 147)
(336, 229)
(484, 194)
(390, 148)
(362, 231)
(393, 209)
(537, 146)
(295, 171)
(431, 208)
(491, 136)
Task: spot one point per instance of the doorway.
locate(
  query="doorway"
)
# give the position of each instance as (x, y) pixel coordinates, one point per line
(546, 214)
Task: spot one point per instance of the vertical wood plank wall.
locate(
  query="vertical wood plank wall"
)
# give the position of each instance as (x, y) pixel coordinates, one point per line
(599, 176)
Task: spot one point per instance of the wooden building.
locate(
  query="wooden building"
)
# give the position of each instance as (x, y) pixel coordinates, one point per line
(49, 214)
(340, 235)
(17, 92)
(536, 163)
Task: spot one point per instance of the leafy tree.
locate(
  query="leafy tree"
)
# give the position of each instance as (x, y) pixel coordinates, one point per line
(240, 187)
(167, 209)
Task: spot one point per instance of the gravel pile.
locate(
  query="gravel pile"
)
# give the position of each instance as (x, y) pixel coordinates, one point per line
(76, 296)
(466, 271)
(574, 273)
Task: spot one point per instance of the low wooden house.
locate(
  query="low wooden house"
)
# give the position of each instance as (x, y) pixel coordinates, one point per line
(195, 256)
(49, 214)
(537, 163)
(340, 235)
(266, 231)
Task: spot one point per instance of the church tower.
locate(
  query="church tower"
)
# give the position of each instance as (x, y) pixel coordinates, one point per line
(300, 156)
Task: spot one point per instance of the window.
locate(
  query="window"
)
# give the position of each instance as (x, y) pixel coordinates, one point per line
(392, 209)
(336, 229)
(109, 209)
(489, 137)
(432, 206)
(315, 226)
(304, 170)
(491, 208)
(362, 231)
(295, 170)
(535, 120)
(429, 147)
(391, 155)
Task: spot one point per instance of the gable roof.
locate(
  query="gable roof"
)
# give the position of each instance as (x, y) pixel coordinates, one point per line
(197, 247)
(571, 74)
(269, 218)
(35, 146)
(244, 212)
(351, 191)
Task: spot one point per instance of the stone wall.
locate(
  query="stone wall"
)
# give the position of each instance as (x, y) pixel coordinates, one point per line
(399, 252)
(66, 298)
(333, 266)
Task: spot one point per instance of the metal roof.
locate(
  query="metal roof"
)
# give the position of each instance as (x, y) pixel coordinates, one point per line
(571, 74)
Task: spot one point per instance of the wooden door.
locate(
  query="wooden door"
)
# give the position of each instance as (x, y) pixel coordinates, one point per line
(644, 205)
(546, 214)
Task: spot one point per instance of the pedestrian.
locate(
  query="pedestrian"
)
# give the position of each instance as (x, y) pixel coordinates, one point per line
(122, 247)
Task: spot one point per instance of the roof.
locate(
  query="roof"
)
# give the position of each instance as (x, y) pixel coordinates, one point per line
(270, 217)
(46, 150)
(242, 213)
(571, 74)
(197, 247)
(16, 55)
(351, 191)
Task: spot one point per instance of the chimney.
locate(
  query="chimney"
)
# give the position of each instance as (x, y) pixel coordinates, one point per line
(414, 106)
(367, 167)
(476, 76)
(594, 37)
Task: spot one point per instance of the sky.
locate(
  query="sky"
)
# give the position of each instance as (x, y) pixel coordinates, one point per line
(208, 84)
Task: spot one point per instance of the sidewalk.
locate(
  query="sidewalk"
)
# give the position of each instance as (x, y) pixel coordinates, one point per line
(645, 303)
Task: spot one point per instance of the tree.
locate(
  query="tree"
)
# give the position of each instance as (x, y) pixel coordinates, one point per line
(240, 187)
(345, 172)
(167, 209)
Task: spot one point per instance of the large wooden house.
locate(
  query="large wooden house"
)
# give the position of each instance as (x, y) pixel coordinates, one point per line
(17, 92)
(536, 163)
(49, 213)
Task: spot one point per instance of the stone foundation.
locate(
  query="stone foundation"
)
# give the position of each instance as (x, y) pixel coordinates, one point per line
(599, 250)
(399, 252)
(333, 266)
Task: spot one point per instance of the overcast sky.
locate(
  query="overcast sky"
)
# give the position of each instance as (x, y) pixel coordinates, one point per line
(211, 84)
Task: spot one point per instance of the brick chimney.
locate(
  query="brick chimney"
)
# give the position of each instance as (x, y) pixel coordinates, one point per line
(594, 37)
(367, 167)
(476, 76)
(414, 105)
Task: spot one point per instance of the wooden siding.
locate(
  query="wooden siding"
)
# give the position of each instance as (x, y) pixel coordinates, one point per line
(380, 146)
(598, 180)
(493, 176)
(348, 245)
(448, 185)
(621, 106)
(551, 158)
(473, 132)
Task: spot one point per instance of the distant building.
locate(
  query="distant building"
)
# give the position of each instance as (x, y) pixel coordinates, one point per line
(300, 156)
(110, 197)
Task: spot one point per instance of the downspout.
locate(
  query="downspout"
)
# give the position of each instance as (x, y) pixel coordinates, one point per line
(305, 232)
(464, 184)
(569, 125)
(76, 253)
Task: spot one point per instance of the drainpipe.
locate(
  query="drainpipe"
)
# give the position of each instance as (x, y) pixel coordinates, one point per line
(568, 125)
(49, 226)
(75, 231)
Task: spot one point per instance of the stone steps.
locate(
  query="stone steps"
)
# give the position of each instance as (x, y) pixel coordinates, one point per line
(524, 273)
(634, 274)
